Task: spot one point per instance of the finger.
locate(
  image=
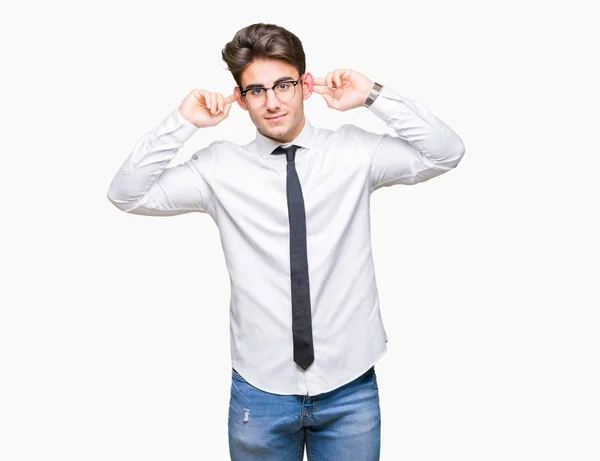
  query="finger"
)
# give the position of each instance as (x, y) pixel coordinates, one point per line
(321, 89)
(197, 94)
(229, 99)
(320, 81)
(337, 79)
(326, 95)
(219, 102)
(207, 100)
(213, 103)
(227, 109)
(328, 78)
(345, 74)
(223, 115)
(200, 97)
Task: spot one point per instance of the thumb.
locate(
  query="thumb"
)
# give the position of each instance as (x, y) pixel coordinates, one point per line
(325, 92)
(320, 89)
(223, 115)
(226, 109)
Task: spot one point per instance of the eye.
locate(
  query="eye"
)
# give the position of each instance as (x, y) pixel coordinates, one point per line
(284, 86)
(256, 91)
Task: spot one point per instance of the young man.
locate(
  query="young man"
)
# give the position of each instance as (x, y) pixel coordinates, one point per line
(292, 208)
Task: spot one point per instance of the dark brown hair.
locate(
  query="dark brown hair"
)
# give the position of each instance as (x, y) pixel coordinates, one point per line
(262, 41)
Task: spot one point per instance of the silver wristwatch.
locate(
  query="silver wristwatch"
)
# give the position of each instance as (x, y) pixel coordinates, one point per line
(373, 94)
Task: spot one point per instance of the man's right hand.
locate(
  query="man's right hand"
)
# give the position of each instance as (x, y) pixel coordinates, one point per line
(204, 108)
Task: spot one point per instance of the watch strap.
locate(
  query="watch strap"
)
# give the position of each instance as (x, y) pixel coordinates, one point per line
(373, 94)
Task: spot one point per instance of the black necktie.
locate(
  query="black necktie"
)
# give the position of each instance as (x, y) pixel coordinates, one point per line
(301, 317)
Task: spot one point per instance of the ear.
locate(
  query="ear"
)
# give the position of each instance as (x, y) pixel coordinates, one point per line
(308, 83)
(238, 97)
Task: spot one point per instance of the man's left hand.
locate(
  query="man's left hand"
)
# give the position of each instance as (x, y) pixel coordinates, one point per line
(343, 89)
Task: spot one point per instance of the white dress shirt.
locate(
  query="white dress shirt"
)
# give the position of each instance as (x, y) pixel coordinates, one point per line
(243, 189)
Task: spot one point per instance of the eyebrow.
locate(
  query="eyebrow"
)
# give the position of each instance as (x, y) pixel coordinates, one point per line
(258, 85)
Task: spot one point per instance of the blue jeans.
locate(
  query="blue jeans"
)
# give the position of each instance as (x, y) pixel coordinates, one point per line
(340, 425)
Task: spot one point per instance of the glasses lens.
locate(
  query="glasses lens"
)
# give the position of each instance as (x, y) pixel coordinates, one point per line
(284, 91)
(256, 99)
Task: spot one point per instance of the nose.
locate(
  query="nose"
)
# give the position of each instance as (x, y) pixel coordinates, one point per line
(273, 101)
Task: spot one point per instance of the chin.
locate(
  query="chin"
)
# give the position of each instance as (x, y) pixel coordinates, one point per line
(277, 132)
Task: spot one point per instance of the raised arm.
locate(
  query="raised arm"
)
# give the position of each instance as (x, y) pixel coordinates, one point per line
(144, 185)
(425, 146)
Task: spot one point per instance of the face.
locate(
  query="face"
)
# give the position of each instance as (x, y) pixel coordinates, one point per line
(290, 114)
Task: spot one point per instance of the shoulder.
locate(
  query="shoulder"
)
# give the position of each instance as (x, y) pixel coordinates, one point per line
(356, 138)
(211, 151)
(358, 133)
(219, 155)
(203, 159)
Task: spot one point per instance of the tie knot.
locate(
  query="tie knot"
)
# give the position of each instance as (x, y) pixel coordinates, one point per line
(290, 152)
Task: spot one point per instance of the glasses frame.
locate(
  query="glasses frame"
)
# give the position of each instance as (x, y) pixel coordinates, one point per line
(293, 82)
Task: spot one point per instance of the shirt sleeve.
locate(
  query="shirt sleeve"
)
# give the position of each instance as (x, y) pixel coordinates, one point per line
(424, 148)
(144, 185)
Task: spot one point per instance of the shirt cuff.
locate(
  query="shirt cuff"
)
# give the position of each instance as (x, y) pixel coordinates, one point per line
(180, 127)
(386, 103)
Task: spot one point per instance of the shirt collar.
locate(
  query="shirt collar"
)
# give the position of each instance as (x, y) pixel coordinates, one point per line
(306, 138)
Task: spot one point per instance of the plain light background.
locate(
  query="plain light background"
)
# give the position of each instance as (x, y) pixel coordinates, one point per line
(114, 328)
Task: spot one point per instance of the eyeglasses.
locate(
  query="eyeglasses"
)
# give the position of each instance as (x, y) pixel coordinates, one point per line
(257, 96)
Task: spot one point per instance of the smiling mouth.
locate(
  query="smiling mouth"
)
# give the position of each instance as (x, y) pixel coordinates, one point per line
(277, 118)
